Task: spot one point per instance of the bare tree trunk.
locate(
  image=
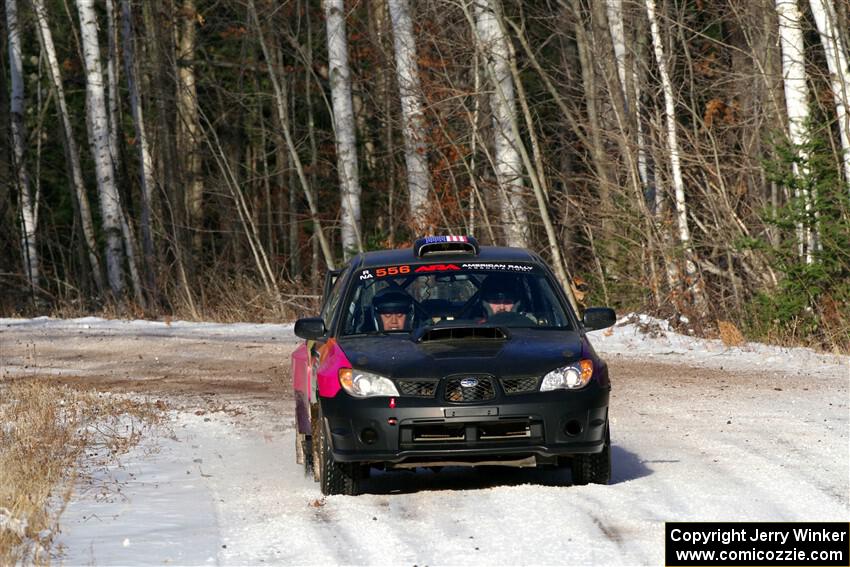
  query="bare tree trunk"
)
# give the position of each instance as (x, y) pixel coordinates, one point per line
(98, 128)
(344, 126)
(601, 160)
(839, 73)
(508, 163)
(72, 151)
(283, 117)
(694, 282)
(314, 164)
(112, 82)
(413, 123)
(188, 124)
(796, 104)
(536, 171)
(147, 177)
(28, 200)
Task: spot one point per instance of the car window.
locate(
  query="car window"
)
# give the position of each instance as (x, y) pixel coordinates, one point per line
(510, 295)
(333, 298)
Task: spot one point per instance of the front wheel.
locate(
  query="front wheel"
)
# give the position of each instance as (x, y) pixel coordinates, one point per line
(334, 477)
(594, 468)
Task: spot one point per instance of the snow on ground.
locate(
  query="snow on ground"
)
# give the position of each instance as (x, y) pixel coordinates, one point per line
(633, 336)
(97, 325)
(700, 432)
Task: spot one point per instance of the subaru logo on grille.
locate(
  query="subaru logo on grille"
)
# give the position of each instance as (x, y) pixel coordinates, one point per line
(469, 382)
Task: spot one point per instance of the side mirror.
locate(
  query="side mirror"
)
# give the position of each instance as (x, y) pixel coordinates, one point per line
(596, 318)
(310, 328)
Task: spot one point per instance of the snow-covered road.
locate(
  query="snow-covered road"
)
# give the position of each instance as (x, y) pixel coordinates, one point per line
(700, 432)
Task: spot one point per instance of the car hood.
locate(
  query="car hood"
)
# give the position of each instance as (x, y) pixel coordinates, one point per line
(523, 352)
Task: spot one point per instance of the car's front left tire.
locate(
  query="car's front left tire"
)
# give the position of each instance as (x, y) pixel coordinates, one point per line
(334, 477)
(594, 468)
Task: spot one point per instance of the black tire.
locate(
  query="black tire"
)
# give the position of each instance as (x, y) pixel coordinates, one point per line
(593, 468)
(335, 478)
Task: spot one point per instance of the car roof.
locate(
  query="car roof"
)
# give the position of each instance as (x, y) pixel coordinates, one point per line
(406, 256)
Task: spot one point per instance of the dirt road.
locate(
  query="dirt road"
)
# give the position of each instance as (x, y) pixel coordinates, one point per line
(689, 442)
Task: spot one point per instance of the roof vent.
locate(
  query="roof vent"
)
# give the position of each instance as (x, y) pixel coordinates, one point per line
(445, 245)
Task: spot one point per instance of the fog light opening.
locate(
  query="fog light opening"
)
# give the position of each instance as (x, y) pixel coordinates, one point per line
(573, 428)
(369, 436)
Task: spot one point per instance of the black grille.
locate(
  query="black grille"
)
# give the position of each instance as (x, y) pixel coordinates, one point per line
(478, 389)
(417, 388)
(520, 385)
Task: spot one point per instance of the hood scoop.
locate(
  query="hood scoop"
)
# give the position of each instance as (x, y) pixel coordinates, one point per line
(430, 334)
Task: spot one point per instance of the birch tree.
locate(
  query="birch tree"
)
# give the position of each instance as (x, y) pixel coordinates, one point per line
(413, 123)
(28, 200)
(283, 118)
(188, 122)
(98, 130)
(72, 151)
(506, 155)
(631, 96)
(344, 125)
(147, 171)
(114, 103)
(835, 50)
(797, 106)
(675, 163)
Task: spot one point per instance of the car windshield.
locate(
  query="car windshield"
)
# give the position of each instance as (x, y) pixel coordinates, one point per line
(402, 299)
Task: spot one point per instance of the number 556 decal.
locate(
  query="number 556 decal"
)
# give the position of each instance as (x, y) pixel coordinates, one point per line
(391, 271)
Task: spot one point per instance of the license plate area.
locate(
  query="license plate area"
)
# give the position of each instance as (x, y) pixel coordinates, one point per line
(471, 412)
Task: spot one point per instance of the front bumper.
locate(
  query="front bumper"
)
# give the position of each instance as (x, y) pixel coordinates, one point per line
(539, 424)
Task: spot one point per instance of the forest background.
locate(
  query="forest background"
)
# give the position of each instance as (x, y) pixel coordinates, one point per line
(212, 159)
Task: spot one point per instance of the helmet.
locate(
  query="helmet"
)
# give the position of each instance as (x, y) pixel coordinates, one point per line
(499, 289)
(391, 301)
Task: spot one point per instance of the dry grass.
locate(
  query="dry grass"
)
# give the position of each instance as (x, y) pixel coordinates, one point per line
(44, 430)
(216, 297)
(729, 334)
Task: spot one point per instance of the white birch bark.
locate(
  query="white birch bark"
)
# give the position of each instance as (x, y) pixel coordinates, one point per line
(672, 141)
(536, 171)
(839, 72)
(28, 201)
(283, 117)
(796, 103)
(189, 124)
(112, 82)
(344, 125)
(506, 155)
(618, 38)
(98, 130)
(147, 173)
(72, 151)
(413, 121)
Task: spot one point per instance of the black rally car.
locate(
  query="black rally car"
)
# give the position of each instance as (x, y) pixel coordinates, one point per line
(449, 354)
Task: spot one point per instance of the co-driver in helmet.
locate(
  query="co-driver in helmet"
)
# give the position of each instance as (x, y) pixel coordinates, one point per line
(500, 298)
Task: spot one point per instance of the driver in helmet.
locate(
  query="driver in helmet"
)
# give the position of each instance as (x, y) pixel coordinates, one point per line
(498, 295)
(393, 309)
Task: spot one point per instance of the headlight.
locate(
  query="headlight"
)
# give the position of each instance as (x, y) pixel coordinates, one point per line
(570, 377)
(365, 384)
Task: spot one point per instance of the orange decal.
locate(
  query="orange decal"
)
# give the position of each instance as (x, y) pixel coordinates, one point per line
(391, 271)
